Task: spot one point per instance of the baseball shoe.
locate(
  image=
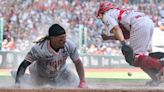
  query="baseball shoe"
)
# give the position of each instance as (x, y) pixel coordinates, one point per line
(153, 83)
(156, 82)
(160, 75)
(162, 61)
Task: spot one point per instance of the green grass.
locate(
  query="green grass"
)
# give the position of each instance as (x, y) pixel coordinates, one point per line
(109, 80)
(5, 74)
(97, 77)
(103, 75)
(117, 75)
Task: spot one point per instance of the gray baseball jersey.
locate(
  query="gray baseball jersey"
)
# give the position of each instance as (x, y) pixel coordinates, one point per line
(138, 24)
(48, 62)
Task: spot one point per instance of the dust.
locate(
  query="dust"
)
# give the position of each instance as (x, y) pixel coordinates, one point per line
(139, 85)
(27, 83)
(65, 79)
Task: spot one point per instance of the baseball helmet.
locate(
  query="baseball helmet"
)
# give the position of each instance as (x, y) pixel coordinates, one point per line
(104, 6)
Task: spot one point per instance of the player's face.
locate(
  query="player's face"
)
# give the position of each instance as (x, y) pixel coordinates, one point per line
(58, 41)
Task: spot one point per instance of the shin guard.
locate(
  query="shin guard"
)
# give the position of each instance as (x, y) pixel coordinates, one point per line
(147, 62)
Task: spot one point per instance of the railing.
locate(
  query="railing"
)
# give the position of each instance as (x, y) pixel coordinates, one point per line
(103, 61)
(11, 59)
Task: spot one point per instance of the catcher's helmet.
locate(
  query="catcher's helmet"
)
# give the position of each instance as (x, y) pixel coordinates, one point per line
(104, 6)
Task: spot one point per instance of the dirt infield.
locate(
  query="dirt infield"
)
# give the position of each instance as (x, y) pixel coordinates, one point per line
(134, 69)
(79, 90)
(95, 84)
(114, 85)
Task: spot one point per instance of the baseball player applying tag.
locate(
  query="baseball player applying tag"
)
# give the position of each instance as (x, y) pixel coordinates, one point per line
(138, 29)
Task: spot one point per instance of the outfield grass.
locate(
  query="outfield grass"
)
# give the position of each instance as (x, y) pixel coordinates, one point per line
(5, 74)
(104, 74)
(117, 75)
(109, 80)
(94, 77)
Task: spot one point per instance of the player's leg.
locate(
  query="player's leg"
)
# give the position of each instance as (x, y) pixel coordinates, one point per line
(147, 62)
(143, 30)
(67, 78)
(158, 55)
(70, 78)
(152, 73)
(153, 61)
(35, 79)
(140, 47)
(152, 66)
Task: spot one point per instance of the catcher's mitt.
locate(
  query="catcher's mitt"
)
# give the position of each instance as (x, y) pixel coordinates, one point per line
(127, 51)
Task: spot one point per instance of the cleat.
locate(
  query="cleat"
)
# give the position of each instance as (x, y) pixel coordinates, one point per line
(153, 83)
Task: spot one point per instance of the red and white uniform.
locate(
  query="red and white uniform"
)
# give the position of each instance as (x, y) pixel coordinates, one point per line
(139, 25)
(138, 28)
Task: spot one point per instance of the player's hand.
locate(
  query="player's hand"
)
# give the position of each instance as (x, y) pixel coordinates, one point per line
(83, 84)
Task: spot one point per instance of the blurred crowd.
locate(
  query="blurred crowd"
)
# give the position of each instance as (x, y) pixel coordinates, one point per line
(26, 21)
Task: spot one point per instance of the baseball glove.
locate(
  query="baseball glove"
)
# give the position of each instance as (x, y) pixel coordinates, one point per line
(127, 51)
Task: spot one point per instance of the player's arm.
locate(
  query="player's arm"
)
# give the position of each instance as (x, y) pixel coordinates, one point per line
(126, 49)
(118, 33)
(74, 55)
(21, 70)
(81, 74)
(80, 69)
(112, 27)
(106, 37)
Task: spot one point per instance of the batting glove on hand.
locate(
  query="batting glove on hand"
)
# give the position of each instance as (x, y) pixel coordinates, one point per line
(127, 51)
(83, 84)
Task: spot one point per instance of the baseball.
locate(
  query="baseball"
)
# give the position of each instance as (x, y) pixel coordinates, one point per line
(129, 74)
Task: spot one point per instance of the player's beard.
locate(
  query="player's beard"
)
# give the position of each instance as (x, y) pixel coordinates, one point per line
(61, 46)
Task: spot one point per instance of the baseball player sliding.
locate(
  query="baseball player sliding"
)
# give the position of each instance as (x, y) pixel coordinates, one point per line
(47, 60)
(138, 29)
